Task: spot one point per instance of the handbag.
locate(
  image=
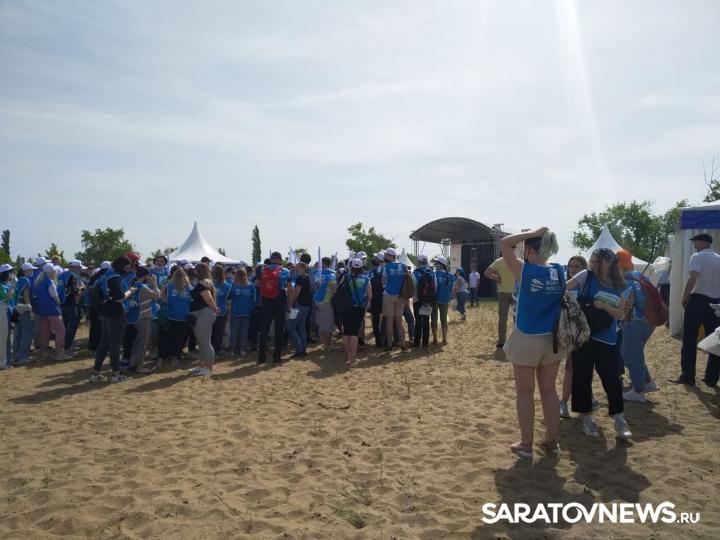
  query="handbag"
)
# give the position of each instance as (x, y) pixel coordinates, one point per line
(597, 319)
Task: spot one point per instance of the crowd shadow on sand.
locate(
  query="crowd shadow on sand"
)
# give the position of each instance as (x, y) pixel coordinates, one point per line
(332, 363)
(710, 400)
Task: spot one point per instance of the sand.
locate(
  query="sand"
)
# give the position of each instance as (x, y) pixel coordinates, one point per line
(401, 446)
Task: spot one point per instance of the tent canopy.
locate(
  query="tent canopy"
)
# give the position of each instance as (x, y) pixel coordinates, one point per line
(195, 247)
(702, 216)
(456, 230)
(606, 240)
(404, 259)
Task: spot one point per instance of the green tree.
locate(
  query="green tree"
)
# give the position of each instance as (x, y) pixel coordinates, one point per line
(712, 181)
(158, 252)
(369, 241)
(54, 251)
(4, 257)
(256, 246)
(6, 242)
(634, 226)
(103, 245)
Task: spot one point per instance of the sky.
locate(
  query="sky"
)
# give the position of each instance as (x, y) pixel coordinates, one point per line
(306, 117)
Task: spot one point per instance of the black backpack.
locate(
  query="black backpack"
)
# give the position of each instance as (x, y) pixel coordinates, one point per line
(426, 288)
(342, 300)
(377, 289)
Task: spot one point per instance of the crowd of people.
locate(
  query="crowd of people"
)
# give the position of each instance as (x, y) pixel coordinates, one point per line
(145, 317)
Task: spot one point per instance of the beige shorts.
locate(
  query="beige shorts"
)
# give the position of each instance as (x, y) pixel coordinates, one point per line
(392, 306)
(531, 351)
(325, 317)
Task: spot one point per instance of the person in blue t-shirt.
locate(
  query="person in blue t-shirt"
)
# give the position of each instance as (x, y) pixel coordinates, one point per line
(176, 298)
(393, 273)
(360, 294)
(444, 282)
(24, 328)
(605, 285)
(222, 294)
(274, 289)
(242, 304)
(423, 300)
(530, 346)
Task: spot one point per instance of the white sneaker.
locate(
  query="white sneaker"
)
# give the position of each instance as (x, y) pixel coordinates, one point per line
(651, 387)
(96, 378)
(202, 372)
(193, 371)
(632, 395)
(564, 412)
(62, 355)
(622, 429)
(119, 378)
(590, 428)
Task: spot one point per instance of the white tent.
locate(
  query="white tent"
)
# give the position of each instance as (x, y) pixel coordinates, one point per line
(606, 240)
(403, 258)
(195, 247)
(704, 218)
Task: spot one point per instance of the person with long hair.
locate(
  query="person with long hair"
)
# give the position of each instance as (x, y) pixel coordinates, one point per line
(7, 294)
(140, 314)
(204, 310)
(242, 304)
(603, 282)
(530, 346)
(300, 300)
(176, 297)
(113, 292)
(23, 334)
(576, 263)
(360, 294)
(222, 294)
(48, 306)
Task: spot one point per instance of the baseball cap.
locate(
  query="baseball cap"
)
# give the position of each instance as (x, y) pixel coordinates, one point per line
(5, 267)
(380, 255)
(105, 265)
(77, 264)
(40, 262)
(703, 237)
(441, 260)
(391, 252)
(361, 255)
(48, 268)
(134, 257)
(356, 263)
(422, 259)
(242, 263)
(276, 255)
(26, 266)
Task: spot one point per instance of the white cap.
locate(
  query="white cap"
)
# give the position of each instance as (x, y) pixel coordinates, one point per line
(48, 268)
(26, 266)
(422, 259)
(188, 266)
(5, 268)
(77, 264)
(59, 269)
(40, 262)
(391, 252)
(441, 260)
(105, 265)
(380, 255)
(356, 263)
(361, 255)
(242, 263)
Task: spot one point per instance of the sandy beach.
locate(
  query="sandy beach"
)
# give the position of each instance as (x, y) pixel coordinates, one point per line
(401, 446)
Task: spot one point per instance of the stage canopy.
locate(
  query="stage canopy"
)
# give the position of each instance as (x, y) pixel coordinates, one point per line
(454, 230)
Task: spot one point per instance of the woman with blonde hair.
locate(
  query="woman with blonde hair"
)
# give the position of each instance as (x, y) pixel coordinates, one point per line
(242, 304)
(530, 346)
(203, 311)
(176, 297)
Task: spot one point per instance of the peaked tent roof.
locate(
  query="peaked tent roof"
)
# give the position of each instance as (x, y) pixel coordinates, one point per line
(403, 258)
(195, 247)
(606, 240)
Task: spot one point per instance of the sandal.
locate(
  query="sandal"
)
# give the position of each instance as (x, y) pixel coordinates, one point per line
(523, 450)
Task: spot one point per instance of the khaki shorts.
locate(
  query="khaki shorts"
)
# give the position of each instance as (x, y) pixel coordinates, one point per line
(325, 317)
(392, 306)
(531, 351)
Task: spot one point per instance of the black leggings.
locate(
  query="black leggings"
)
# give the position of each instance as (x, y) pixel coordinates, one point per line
(176, 334)
(602, 358)
(422, 326)
(218, 331)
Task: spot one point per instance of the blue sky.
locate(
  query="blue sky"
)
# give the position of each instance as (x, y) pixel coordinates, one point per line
(306, 117)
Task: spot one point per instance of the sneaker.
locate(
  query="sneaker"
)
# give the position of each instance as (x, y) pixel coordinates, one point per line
(404, 349)
(462, 317)
(595, 404)
(590, 428)
(622, 429)
(96, 378)
(444, 341)
(552, 448)
(388, 349)
(202, 372)
(62, 355)
(119, 378)
(521, 450)
(193, 371)
(564, 412)
(651, 387)
(632, 395)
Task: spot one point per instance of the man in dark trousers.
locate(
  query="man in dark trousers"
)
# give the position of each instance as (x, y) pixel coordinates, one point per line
(274, 289)
(701, 290)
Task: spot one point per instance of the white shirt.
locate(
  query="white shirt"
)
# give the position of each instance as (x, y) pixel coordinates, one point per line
(707, 264)
(473, 279)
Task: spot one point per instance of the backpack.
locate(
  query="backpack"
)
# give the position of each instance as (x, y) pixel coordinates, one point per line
(342, 299)
(407, 289)
(270, 282)
(426, 288)
(377, 290)
(656, 310)
(571, 329)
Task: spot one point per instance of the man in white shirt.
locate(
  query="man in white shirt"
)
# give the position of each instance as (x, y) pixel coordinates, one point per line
(474, 285)
(702, 289)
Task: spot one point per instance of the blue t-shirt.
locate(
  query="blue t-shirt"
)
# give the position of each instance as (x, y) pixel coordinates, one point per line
(178, 303)
(327, 276)
(22, 283)
(358, 290)
(597, 291)
(444, 282)
(243, 299)
(222, 293)
(541, 289)
(393, 272)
